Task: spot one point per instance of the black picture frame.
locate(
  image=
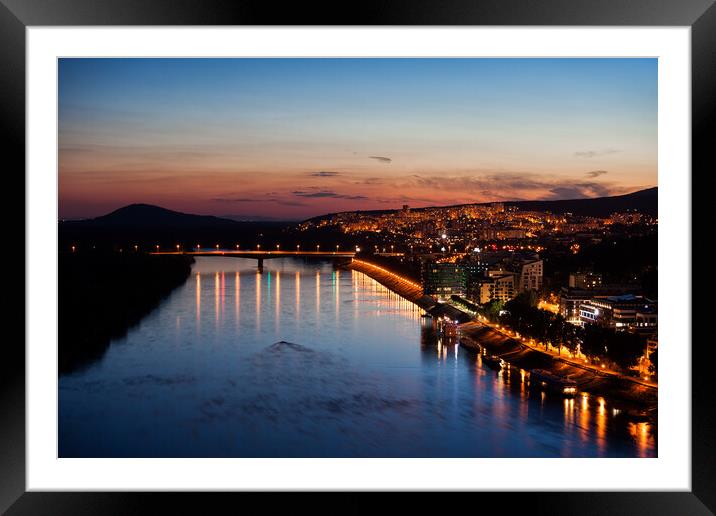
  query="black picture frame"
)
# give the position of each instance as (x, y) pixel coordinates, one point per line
(17, 15)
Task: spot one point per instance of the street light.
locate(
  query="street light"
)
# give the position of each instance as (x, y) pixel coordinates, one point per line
(277, 246)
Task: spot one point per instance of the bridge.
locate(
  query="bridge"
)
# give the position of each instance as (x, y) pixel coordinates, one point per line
(260, 255)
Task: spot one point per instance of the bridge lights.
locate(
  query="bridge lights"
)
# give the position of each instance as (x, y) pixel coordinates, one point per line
(298, 247)
(318, 247)
(217, 246)
(237, 246)
(258, 246)
(278, 246)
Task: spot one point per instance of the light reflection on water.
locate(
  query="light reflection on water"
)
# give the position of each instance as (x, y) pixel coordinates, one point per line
(361, 375)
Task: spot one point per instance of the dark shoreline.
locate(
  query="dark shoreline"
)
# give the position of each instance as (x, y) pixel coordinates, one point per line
(102, 295)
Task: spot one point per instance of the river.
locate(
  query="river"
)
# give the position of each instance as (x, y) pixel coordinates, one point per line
(303, 360)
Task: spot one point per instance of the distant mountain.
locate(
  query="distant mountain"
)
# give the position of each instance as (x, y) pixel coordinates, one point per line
(146, 226)
(146, 216)
(643, 201)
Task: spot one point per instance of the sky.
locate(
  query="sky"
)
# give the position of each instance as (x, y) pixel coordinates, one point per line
(288, 139)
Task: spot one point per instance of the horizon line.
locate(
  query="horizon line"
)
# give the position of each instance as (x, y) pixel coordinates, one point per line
(263, 219)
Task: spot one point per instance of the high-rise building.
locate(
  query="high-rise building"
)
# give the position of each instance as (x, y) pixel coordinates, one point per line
(531, 274)
(497, 287)
(585, 280)
(442, 280)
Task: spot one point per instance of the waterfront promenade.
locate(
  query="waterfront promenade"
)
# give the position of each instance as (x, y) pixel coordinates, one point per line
(405, 287)
(589, 379)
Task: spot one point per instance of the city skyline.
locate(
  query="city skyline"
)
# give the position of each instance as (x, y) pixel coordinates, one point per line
(288, 139)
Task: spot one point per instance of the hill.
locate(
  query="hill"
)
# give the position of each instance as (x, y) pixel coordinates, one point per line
(147, 216)
(643, 201)
(148, 226)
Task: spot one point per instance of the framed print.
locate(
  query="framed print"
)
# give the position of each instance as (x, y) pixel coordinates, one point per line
(420, 249)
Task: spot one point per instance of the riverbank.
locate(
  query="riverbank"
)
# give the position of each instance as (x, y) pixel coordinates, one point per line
(102, 295)
(614, 387)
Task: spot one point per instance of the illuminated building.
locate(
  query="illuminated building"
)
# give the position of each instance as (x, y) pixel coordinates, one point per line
(531, 273)
(570, 300)
(585, 280)
(441, 280)
(620, 312)
(496, 287)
